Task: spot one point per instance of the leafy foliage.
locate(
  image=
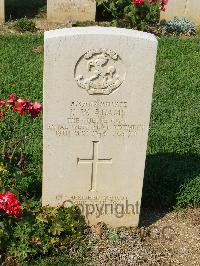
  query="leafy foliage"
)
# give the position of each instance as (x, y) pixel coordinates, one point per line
(40, 232)
(125, 14)
(24, 24)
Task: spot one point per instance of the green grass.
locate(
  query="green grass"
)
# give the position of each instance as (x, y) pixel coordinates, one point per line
(172, 174)
(21, 73)
(174, 142)
(20, 66)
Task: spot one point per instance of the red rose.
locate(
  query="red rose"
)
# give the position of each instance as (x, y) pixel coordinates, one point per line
(10, 204)
(22, 106)
(12, 99)
(138, 2)
(35, 109)
(2, 102)
(163, 4)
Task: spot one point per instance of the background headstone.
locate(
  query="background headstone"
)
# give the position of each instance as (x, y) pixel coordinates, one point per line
(182, 8)
(98, 85)
(63, 10)
(193, 11)
(2, 11)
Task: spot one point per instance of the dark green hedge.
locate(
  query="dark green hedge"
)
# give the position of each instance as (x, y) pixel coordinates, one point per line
(23, 8)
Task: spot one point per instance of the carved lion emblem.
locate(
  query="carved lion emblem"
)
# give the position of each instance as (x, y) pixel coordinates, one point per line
(98, 72)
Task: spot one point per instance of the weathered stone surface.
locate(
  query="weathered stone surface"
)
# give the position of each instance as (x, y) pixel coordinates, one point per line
(2, 11)
(98, 85)
(193, 11)
(182, 8)
(63, 10)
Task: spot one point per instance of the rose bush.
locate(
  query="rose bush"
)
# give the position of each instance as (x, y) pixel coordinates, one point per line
(20, 105)
(137, 14)
(27, 230)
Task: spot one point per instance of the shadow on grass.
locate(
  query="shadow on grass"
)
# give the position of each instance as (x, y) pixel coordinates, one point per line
(165, 174)
(16, 9)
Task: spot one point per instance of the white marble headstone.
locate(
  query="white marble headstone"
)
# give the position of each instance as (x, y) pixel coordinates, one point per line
(98, 85)
(2, 11)
(76, 10)
(182, 8)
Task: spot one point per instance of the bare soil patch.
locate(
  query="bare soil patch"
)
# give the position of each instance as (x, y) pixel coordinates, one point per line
(173, 239)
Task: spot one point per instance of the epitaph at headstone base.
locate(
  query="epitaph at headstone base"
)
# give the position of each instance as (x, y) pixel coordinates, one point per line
(98, 85)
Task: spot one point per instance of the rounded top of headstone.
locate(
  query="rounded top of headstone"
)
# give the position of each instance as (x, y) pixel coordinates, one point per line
(96, 30)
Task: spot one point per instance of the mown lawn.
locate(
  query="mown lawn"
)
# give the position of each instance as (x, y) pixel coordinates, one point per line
(173, 161)
(21, 73)
(172, 174)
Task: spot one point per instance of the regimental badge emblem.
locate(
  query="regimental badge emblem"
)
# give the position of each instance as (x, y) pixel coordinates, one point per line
(100, 72)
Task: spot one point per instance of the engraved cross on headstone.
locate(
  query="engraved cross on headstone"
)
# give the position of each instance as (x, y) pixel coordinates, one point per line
(94, 162)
